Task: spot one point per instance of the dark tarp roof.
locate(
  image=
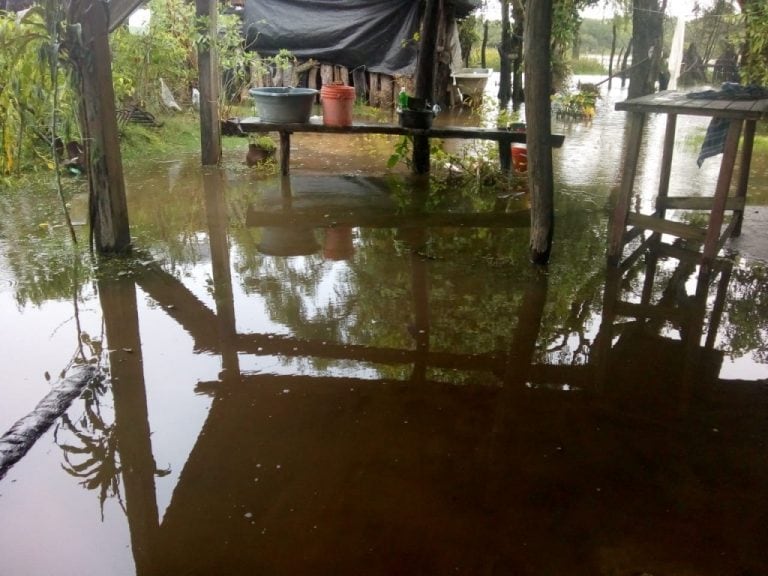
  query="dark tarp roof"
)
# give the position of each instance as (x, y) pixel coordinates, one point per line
(353, 33)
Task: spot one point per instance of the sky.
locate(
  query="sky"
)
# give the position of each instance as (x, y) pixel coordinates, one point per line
(674, 8)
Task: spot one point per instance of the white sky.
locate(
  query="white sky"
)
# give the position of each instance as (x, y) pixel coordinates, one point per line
(674, 8)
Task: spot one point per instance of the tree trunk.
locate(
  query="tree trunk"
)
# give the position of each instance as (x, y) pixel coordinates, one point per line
(518, 15)
(624, 63)
(505, 53)
(646, 33)
(538, 89)
(483, 47)
(613, 52)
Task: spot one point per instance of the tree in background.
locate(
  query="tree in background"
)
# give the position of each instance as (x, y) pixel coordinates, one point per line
(755, 53)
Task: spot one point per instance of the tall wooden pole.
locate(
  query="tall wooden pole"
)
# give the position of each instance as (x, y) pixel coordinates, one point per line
(425, 77)
(538, 89)
(208, 69)
(505, 51)
(108, 211)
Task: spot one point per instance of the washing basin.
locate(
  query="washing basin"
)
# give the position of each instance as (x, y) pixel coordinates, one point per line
(284, 105)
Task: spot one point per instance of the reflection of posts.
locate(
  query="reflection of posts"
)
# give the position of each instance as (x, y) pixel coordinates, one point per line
(520, 359)
(216, 214)
(118, 302)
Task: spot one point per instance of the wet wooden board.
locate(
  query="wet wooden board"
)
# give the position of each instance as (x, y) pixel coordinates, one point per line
(253, 124)
(671, 102)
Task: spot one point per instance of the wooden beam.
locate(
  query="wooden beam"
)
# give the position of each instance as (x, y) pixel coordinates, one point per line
(108, 210)
(208, 69)
(120, 10)
(538, 84)
(425, 77)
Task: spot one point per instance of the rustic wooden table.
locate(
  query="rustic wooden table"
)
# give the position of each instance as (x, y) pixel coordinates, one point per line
(742, 116)
(505, 138)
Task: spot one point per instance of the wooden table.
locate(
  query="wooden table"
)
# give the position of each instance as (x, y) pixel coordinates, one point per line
(505, 138)
(743, 116)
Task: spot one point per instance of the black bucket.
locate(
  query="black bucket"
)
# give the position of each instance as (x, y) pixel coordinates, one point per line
(416, 118)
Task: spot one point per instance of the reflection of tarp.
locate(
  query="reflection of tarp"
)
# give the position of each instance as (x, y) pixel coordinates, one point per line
(351, 33)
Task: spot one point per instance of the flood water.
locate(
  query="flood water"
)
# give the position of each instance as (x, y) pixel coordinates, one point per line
(348, 371)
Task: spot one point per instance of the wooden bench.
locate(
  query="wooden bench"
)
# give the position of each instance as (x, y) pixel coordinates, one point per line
(505, 138)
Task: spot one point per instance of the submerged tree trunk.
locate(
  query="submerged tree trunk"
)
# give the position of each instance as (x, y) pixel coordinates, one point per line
(538, 89)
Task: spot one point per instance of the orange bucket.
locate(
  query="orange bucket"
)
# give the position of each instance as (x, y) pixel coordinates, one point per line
(520, 158)
(337, 101)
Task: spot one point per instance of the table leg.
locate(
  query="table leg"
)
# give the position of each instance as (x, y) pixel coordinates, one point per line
(285, 152)
(619, 218)
(666, 164)
(744, 167)
(712, 238)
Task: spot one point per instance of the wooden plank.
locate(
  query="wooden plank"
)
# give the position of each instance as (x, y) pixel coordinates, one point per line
(721, 191)
(361, 86)
(744, 168)
(619, 216)
(678, 103)
(253, 124)
(697, 203)
(386, 93)
(662, 226)
(120, 10)
(666, 160)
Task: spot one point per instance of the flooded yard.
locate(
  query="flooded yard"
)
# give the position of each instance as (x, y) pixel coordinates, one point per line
(351, 371)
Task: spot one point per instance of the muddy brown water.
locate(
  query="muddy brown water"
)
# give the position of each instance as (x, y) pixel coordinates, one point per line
(351, 372)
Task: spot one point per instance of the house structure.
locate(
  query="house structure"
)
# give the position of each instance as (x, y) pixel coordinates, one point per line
(369, 44)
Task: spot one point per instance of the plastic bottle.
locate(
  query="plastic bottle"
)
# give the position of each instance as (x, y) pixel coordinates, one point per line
(402, 99)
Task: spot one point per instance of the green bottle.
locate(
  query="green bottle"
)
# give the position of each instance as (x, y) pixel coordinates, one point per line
(402, 99)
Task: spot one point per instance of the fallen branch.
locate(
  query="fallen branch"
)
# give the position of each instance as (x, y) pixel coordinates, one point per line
(20, 437)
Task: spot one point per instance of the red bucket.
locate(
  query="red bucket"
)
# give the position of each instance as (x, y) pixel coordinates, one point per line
(337, 101)
(520, 158)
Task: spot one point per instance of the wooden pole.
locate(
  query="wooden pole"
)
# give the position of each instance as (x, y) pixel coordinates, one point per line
(208, 70)
(108, 211)
(425, 77)
(538, 75)
(505, 52)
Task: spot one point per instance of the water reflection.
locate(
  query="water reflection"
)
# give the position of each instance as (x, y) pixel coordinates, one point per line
(409, 395)
(419, 420)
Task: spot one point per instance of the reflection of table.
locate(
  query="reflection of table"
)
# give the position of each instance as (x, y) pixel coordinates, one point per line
(743, 114)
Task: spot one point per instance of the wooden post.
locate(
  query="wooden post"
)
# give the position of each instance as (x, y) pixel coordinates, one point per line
(425, 77)
(208, 69)
(538, 76)
(505, 64)
(108, 210)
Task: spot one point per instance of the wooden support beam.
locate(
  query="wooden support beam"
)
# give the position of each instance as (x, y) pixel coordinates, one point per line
(208, 67)
(108, 211)
(120, 10)
(538, 84)
(425, 77)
